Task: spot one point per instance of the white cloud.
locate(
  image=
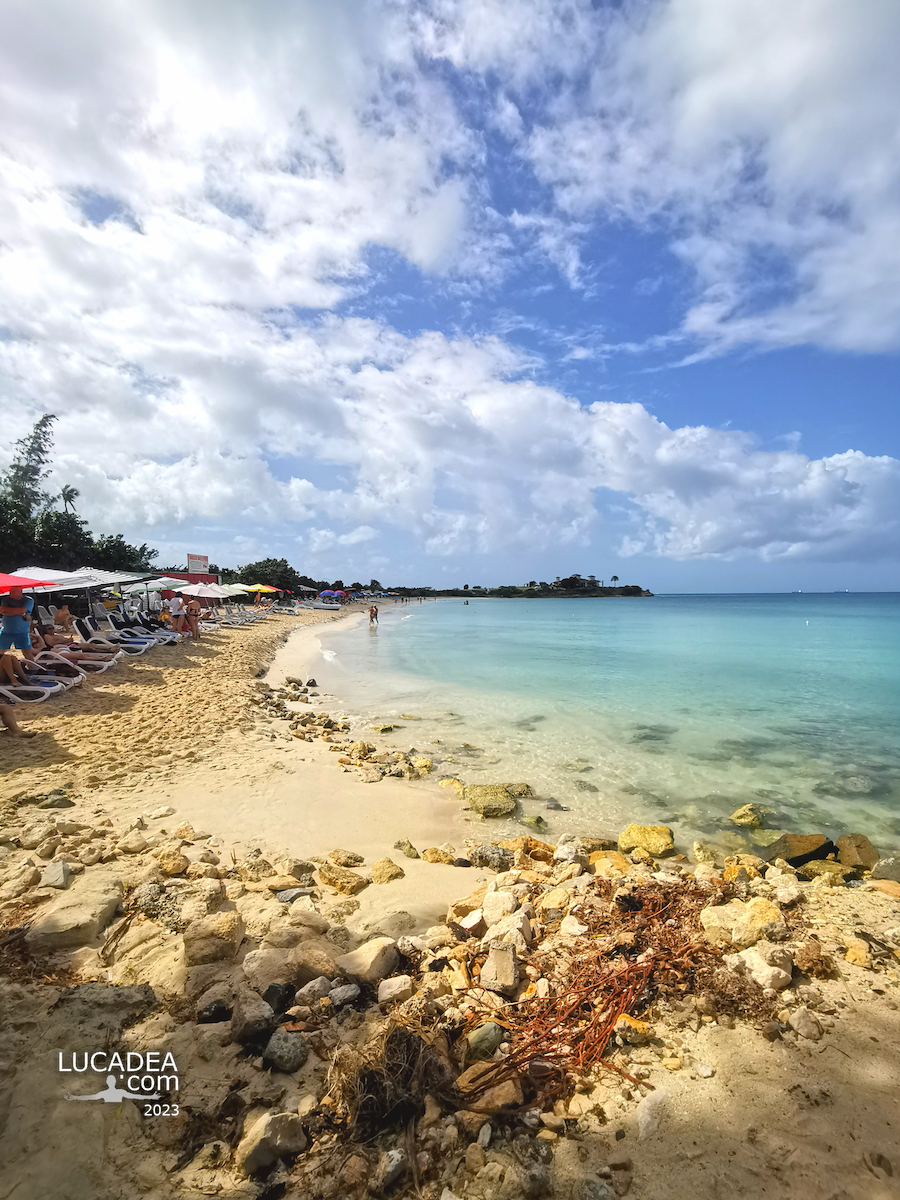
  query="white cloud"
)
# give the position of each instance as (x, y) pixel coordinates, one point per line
(256, 153)
(760, 138)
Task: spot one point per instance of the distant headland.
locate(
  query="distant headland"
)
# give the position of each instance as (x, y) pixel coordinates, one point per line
(572, 586)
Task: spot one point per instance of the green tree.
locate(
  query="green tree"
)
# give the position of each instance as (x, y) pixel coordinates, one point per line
(21, 496)
(113, 553)
(375, 586)
(614, 579)
(62, 541)
(276, 572)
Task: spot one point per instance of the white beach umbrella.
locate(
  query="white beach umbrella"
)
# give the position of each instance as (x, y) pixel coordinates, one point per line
(210, 590)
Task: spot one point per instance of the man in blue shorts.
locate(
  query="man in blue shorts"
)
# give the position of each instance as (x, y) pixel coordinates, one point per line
(15, 629)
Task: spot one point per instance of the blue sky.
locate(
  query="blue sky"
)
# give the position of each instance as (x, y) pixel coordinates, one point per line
(449, 291)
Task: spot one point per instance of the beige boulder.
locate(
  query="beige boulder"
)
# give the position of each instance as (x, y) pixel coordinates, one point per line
(213, 938)
(740, 924)
(172, 861)
(76, 916)
(385, 871)
(372, 961)
(341, 879)
(490, 799)
(655, 839)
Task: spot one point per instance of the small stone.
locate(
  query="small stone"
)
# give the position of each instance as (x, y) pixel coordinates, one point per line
(750, 815)
(341, 879)
(172, 862)
(406, 847)
(314, 991)
(435, 855)
(655, 839)
(395, 989)
(741, 924)
(251, 1018)
(132, 843)
(346, 858)
(491, 857)
(279, 997)
(56, 875)
(500, 972)
(159, 813)
(286, 1051)
(391, 1166)
(887, 868)
(571, 927)
(273, 1136)
(805, 1023)
(858, 953)
(483, 1040)
(214, 938)
(496, 905)
(706, 1072)
(289, 895)
(372, 961)
(703, 852)
(345, 994)
(385, 871)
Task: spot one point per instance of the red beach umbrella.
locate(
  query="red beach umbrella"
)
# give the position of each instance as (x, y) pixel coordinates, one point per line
(8, 582)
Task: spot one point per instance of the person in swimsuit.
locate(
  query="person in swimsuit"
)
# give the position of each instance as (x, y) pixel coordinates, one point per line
(193, 613)
(176, 612)
(373, 615)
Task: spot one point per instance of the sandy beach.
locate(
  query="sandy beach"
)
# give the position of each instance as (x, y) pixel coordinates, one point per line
(189, 779)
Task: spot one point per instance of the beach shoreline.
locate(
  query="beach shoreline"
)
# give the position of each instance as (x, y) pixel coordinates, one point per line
(247, 853)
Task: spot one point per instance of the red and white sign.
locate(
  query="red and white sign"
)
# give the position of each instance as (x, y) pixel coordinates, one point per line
(198, 564)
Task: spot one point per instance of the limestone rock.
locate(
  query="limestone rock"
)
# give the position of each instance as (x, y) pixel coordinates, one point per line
(77, 916)
(312, 958)
(395, 989)
(805, 1023)
(271, 1137)
(609, 864)
(494, 858)
(798, 848)
(56, 875)
(266, 966)
(341, 879)
(500, 972)
(436, 855)
(514, 930)
(855, 850)
(406, 847)
(887, 868)
(467, 904)
(571, 927)
(655, 839)
(132, 843)
(554, 904)
(286, 1051)
(254, 869)
(345, 994)
(172, 862)
(213, 938)
(316, 989)
(857, 952)
(490, 799)
(346, 858)
(496, 905)
(741, 924)
(768, 964)
(251, 1018)
(752, 815)
(372, 961)
(385, 871)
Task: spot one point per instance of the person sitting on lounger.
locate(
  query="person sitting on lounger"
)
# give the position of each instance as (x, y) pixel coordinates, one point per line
(63, 618)
(43, 638)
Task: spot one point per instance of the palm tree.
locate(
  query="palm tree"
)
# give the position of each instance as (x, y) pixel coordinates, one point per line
(68, 495)
(613, 579)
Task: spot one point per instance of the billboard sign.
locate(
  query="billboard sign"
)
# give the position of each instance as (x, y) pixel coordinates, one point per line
(198, 564)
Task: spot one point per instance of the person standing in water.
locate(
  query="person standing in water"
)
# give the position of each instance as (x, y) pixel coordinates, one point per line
(373, 614)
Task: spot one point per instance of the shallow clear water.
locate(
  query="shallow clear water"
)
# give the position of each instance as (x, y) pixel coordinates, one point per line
(672, 708)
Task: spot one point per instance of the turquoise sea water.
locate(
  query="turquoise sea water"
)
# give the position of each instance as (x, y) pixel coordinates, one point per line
(671, 708)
